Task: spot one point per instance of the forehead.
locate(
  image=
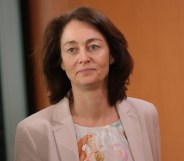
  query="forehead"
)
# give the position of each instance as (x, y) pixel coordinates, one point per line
(80, 30)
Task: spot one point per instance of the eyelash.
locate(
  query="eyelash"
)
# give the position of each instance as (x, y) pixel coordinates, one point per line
(72, 50)
(92, 47)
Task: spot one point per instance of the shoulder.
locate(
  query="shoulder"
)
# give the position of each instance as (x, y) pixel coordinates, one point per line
(48, 114)
(47, 117)
(39, 118)
(140, 104)
(142, 108)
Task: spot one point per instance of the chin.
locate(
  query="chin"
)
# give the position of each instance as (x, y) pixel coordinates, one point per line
(91, 84)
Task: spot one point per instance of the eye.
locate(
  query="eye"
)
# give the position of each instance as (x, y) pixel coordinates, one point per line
(72, 50)
(93, 47)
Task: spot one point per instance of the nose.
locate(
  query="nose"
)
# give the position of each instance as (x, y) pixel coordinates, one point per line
(84, 56)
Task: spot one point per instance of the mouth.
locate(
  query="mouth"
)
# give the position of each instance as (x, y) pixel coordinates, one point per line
(85, 70)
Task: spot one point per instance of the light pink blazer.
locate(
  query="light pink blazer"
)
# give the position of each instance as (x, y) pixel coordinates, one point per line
(49, 135)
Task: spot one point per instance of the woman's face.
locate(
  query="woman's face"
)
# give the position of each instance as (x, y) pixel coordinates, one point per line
(85, 55)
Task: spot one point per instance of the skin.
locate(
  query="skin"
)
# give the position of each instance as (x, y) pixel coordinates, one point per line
(86, 59)
(85, 55)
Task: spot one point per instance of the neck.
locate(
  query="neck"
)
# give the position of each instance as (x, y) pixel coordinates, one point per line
(91, 108)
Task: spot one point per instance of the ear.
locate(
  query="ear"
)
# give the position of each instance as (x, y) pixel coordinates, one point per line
(62, 66)
(111, 60)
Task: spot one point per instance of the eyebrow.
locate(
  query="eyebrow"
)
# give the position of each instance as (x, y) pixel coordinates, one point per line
(75, 42)
(93, 39)
(70, 42)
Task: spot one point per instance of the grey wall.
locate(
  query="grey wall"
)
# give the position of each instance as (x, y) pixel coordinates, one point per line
(12, 72)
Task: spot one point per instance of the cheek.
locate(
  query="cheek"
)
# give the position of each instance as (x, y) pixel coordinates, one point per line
(104, 65)
(68, 66)
(68, 70)
(65, 63)
(105, 60)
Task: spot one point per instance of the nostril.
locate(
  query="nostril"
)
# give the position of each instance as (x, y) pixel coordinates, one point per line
(84, 57)
(85, 60)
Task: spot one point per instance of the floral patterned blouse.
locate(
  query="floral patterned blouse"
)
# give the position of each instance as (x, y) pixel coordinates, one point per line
(106, 143)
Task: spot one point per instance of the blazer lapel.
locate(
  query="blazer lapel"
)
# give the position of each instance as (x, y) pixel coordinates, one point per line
(132, 128)
(64, 132)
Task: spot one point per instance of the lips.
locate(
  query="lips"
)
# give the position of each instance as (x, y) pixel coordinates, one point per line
(85, 70)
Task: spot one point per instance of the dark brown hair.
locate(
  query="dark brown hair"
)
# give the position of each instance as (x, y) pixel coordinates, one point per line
(57, 81)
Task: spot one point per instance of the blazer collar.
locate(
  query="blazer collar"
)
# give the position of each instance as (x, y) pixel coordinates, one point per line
(64, 132)
(132, 128)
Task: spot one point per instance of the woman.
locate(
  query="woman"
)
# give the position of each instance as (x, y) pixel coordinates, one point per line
(86, 65)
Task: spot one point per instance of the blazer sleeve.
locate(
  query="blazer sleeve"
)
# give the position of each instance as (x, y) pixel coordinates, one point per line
(157, 135)
(25, 148)
(153, 131)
